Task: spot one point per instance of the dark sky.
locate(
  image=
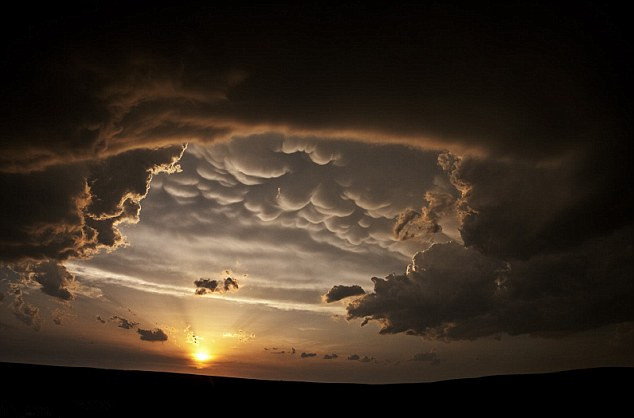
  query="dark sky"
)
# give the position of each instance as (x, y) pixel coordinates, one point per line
(317, 147)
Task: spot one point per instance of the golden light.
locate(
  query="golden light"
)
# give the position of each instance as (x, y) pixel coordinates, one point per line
(202, 356)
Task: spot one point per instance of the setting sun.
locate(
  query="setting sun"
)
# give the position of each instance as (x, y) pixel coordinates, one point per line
(201, 356)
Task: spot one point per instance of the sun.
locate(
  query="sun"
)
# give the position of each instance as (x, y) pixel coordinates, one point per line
(202, 356)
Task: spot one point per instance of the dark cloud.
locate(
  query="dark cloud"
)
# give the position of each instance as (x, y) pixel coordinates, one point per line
(339, 292)
(427, 357)
(277, 350)
(152, 334)
(122, 322)
(366, 359)
(73, 210)
(353, 357)
(308, 355)
(54, 278)
(453, 292)
(330, 356)
(204, 286)
(543, 205)
(100, 319)
(103, 83)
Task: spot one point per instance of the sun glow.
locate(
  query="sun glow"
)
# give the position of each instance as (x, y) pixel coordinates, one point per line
(202, 356)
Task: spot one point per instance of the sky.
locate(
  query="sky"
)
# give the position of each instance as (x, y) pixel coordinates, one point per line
(342, 194)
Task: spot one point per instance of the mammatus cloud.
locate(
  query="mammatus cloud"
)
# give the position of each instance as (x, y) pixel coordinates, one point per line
(152, 335)
(308, 355)
(339, 292)
(204, 286)
(122, 322)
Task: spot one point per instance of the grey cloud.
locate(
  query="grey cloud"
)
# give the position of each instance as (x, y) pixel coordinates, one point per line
(122, 322)
(353, 357)
(330, 356)
(451, 292)
(339, 292)
(308, 355)
(152, 335)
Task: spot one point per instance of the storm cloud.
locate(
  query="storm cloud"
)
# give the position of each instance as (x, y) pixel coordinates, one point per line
(100, 96)
(80, 204)
(533, 101)
(450, 292)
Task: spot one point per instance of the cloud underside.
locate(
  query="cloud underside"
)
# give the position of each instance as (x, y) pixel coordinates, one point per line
(540, 195)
